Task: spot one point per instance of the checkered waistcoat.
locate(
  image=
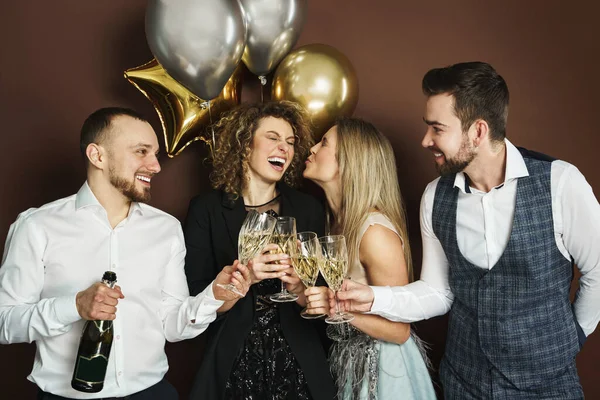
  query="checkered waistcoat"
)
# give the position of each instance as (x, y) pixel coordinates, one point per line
(516, 317)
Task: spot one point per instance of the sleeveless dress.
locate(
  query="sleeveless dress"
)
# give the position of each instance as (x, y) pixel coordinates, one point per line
(367, 368)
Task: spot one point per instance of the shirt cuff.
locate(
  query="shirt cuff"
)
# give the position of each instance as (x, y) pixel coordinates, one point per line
(382, 301)
(206, 305)
(65, 309)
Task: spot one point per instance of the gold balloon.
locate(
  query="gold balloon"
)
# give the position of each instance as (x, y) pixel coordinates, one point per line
(184, 116)
(321, 79)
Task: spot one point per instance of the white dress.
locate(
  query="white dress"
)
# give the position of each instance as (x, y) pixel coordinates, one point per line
(401, 370)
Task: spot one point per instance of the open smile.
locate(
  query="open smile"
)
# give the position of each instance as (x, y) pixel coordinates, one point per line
(277, 163)
(144, 179)
(439, 156)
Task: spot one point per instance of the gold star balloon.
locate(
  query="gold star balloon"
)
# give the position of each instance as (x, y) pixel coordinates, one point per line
(184, 116)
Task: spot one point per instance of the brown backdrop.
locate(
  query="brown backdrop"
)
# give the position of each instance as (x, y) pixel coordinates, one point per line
(62, 59)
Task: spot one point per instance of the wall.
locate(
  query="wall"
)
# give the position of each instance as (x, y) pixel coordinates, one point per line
(62, 59)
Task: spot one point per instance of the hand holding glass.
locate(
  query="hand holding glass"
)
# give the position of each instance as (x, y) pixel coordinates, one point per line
(305, 259)
(334, 267)
(254, 235)
(284, 235)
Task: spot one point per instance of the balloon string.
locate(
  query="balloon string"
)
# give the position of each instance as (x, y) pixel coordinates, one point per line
(263, 82)
(211, 144)
(212, 127)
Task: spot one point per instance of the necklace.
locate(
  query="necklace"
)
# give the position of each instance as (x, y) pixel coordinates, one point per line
(264, 204)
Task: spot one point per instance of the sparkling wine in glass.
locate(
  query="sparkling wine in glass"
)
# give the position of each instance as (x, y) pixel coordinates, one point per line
(305, 259)
(284, 237)
(254, 235)
(334, 266)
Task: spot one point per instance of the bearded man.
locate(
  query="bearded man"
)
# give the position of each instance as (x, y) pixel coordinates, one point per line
(502, 228)
(55, 255)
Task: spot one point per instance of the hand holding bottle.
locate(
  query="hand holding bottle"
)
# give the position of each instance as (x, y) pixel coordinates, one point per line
(98, 302)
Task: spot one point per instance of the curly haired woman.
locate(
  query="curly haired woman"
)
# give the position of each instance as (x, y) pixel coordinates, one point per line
(257, 349)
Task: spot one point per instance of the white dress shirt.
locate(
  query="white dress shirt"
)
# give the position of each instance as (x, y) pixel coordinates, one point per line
(484, 224)
(62, 248)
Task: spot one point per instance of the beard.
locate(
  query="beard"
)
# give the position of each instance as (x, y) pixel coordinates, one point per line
(456, 164)
(128, 188)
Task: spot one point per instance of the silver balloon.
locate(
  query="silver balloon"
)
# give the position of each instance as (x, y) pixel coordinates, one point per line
(273, 29)
(198, 42)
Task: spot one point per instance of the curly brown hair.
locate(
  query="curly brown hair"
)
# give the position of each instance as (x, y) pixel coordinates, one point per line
(234, 133)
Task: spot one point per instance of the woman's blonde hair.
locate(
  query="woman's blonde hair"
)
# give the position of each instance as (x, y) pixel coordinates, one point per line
(234, 133)
(369, 181)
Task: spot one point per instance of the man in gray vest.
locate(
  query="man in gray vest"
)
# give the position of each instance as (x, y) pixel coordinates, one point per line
(502, 228)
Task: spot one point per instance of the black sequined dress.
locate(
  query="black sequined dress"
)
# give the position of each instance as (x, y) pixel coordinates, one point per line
(266, 368)
(253, 352)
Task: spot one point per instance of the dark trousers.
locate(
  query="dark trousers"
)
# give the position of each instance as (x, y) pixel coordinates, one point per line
(163, 390)
(489, 383)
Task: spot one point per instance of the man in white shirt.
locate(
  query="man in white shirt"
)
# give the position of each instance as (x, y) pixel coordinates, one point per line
(501, 228)
(53, 253)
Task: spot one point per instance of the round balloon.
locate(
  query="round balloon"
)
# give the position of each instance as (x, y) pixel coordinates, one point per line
(273, 29)
(198, 42)
(320, 78)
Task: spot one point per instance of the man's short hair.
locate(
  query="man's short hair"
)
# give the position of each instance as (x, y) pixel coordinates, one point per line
(479, 93)
(96, 126)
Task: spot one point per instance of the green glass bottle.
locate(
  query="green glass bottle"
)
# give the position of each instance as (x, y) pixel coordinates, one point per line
(94, 349)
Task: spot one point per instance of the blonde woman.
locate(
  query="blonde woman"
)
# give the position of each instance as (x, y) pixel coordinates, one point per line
(256, 349)
(374, 358)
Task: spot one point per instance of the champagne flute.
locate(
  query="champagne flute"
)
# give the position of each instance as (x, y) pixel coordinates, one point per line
(305, 259)
(334, 266)
(284, 235)
(255, 233)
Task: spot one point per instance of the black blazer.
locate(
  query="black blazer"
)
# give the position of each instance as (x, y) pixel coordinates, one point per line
(211, 235)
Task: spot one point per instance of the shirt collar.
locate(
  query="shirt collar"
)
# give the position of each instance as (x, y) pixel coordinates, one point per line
(515, 168)
(85, 198)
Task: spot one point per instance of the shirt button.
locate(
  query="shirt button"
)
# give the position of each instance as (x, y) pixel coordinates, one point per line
(120, 373)
(118, 337)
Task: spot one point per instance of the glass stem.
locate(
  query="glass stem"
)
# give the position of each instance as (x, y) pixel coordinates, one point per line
(283, 289)
(337, 304)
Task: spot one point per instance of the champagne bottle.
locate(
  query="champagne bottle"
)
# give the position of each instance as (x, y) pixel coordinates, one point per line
(94, 349)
